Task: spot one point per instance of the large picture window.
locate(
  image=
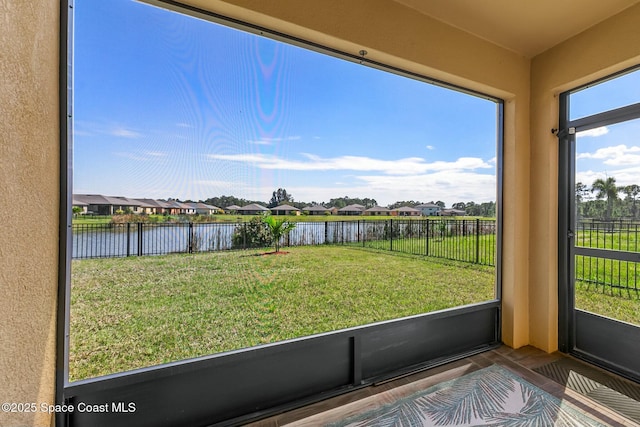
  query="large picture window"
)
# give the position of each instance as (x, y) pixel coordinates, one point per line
(231, 190)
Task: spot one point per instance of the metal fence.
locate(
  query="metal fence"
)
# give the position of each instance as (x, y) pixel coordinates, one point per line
(618, 276)
(468, 240)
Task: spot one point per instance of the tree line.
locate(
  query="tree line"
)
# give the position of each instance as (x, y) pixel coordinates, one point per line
(282, 196)
(604, 199)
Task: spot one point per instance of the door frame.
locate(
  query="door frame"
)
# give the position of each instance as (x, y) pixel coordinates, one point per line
(586, 335)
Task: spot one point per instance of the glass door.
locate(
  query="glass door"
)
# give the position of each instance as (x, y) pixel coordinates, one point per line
(600, 225)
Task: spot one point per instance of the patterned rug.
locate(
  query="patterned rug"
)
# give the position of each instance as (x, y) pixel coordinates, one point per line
(621, 395)
(489, 397)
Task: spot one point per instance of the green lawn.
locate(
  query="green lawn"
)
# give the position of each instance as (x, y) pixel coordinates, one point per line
(128, 313)
(476, 249)
(614, 303)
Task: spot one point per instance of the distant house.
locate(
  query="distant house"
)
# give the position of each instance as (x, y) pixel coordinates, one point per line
(151, 206)
(231, 209)
(452, 212)
(93, 204)
(429, 209)
(82, 205)
(175, 207)
(406, 211)
(377, 211)
(124, 204)
(351, 210)
(318, 210)
(97, 204)
(285, 210)
(203, 208)
(253, 209)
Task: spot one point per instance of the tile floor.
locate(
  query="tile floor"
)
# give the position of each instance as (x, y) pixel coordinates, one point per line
(521, 361)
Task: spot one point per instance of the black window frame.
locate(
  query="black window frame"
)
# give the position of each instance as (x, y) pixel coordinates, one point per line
(225, 388)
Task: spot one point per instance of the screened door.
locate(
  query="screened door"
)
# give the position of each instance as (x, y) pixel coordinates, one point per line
(600, 224)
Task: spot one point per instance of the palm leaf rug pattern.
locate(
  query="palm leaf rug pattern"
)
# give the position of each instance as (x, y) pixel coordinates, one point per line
(492, 396)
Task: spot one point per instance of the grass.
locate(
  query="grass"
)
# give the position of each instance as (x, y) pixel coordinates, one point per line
(476, 249)
(624, 240)
(135, 312)
(613, 273)
(606, 302)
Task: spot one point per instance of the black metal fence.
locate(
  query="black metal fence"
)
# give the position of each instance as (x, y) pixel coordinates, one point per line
(617, 275)
(469, 240)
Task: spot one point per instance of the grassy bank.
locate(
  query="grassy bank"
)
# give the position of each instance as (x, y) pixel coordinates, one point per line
(135, 312)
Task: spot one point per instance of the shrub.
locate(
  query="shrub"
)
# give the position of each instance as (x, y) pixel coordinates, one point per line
(252, 234)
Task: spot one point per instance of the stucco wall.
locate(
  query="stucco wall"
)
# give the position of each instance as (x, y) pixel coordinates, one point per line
(29, 172)
(393, 34)
(610, 46)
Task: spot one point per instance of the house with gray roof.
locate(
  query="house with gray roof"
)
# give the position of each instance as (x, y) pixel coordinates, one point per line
(232, 209)
(253, 209)
(377, 211)
(453, 212)
(175, 207)
(319, 210)
(203, 208)
(98, 204)
(351, 210)
(285, 210)
(152, 206)
(406, 211)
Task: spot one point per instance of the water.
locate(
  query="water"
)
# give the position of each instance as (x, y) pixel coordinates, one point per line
(137, 239)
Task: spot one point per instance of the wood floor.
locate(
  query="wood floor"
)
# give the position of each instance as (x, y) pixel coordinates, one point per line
(521, 362)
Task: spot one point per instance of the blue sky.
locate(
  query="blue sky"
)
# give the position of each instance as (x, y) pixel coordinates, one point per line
(608, 151)
(166, 105)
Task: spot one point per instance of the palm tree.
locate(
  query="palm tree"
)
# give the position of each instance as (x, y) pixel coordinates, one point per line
(606, 188)
(278, 228)
(632, 191)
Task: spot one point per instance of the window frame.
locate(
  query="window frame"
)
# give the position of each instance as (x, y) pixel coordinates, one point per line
(331, 363)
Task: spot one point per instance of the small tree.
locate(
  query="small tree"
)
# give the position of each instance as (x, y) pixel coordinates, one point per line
(277, 229)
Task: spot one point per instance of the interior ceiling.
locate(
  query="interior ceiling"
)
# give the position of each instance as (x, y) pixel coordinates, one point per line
(528, 27)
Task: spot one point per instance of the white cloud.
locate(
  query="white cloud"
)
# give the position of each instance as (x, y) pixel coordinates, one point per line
(430, 147)
(387, 181)
(615, 155)
(406, 166)
(142, 156)
(593, 132)
(271, 141)
(448, 186)
(624, 176)
(445, 186)
(125, 133)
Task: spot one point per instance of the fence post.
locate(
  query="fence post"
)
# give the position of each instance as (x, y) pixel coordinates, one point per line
(427, 239)
(244, 236)
(190, 237)
(128, 238)
(391, 235)
(140, 239)
(477, 240)
(326, 232)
